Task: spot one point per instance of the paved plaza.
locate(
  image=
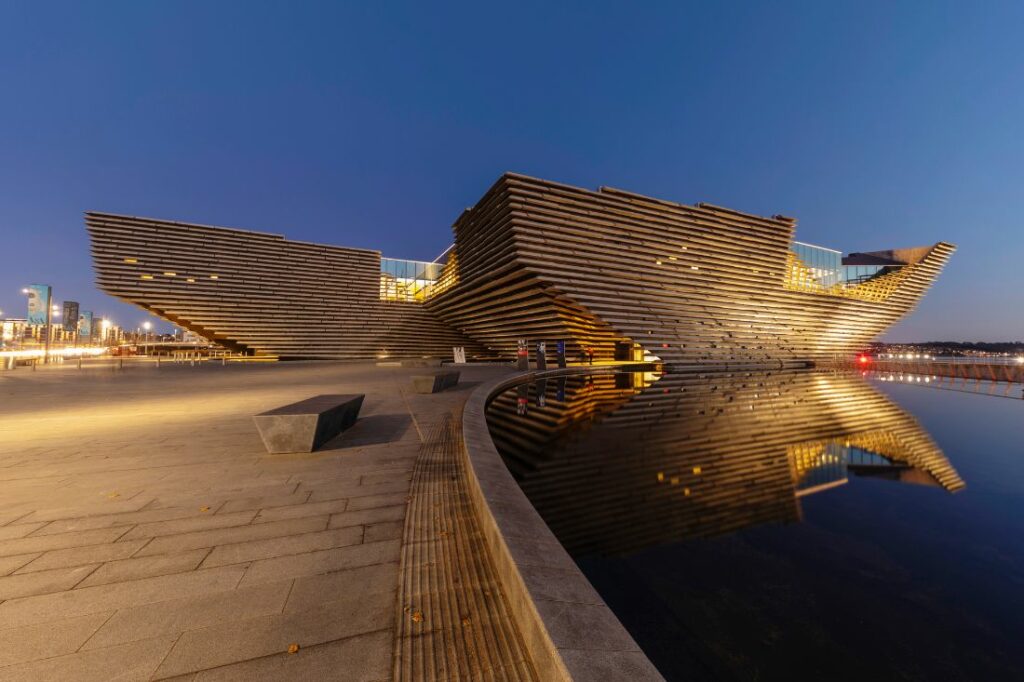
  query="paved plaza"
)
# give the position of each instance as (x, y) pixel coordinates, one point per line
(145, 533)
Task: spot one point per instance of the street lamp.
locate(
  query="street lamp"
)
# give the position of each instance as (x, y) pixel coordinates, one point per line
(105, 327)
(147, 325)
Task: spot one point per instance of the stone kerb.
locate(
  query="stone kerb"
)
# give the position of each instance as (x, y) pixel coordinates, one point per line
(570, 632)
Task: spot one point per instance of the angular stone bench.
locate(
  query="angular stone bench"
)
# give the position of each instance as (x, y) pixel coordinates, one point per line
(306, 425)
(435, 382)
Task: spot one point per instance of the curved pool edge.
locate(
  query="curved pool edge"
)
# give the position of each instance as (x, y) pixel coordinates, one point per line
(568, 629)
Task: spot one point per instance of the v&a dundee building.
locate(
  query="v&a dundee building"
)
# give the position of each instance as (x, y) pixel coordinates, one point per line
(606, 270)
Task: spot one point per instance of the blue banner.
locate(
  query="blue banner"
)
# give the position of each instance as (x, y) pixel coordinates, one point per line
(38, 302)
(85, 325)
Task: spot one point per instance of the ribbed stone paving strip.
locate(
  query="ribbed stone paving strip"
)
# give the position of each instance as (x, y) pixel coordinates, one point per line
(453, 620)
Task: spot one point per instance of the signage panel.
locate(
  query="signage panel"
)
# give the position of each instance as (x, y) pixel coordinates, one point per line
(38, 300)
(70, 316)
(85, 325)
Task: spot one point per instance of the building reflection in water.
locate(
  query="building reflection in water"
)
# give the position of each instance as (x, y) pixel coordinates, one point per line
(618, 462)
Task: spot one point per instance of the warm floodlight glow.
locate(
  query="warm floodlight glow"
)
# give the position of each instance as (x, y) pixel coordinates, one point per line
(70, 351)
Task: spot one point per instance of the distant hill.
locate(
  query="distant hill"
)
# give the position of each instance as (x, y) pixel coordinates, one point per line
(960, 347)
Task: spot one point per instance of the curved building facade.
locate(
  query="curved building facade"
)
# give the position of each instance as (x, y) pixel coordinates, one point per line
(541, 260)
(604, 270)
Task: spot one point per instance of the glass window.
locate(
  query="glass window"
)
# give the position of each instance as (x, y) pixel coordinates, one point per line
(408, 280)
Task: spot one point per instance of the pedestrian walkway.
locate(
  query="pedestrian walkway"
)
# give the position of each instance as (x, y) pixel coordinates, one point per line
(145, 534)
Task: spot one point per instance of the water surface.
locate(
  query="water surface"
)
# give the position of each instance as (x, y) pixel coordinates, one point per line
(785, 525)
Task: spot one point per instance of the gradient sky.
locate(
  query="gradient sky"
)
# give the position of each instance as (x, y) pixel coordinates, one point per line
(374, 124)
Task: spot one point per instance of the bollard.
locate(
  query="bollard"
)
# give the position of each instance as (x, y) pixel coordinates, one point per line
(542, 355)
(79, 362)
(120, 363)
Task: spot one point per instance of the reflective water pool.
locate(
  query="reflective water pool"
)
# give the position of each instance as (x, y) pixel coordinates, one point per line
(785, 525)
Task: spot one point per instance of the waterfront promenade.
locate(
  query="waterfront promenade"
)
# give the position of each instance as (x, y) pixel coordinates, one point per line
(145, 533)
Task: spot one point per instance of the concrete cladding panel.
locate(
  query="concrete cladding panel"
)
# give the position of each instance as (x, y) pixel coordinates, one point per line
(687, 283)
(533, 260)
(260, 292)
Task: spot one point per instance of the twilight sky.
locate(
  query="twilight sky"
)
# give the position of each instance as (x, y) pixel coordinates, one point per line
(373, 124)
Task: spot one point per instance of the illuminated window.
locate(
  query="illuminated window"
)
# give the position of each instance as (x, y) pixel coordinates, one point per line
(214, 277)
(131, 260)
(145, 276)
(415, 281)
(190, 279)
(170, 274)
(819, 270)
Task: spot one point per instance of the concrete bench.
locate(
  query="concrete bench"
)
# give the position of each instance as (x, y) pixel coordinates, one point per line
(435, 382)
(306, 425)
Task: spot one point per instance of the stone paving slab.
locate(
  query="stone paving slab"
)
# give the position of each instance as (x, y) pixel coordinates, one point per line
(146, 534)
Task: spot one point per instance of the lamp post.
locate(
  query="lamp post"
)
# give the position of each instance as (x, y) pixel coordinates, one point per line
(147, 325)
(53, 313)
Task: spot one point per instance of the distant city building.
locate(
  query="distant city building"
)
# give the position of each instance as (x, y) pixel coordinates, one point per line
(608, 271)
(192, 337)
(18, 331)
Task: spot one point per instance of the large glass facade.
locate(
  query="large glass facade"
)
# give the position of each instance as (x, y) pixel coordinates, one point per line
(817, 268)
(856, 274)
(413, 280)
(824, 266)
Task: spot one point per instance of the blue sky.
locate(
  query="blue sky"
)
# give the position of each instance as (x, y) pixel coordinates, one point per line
(373, 124)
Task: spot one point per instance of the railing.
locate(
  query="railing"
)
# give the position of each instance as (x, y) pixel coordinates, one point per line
(930, 368)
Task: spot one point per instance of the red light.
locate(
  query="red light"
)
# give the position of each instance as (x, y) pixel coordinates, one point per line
(863, 359)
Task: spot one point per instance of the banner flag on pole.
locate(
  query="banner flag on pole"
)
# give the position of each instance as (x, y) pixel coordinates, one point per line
(70, 316)
(38, 299)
